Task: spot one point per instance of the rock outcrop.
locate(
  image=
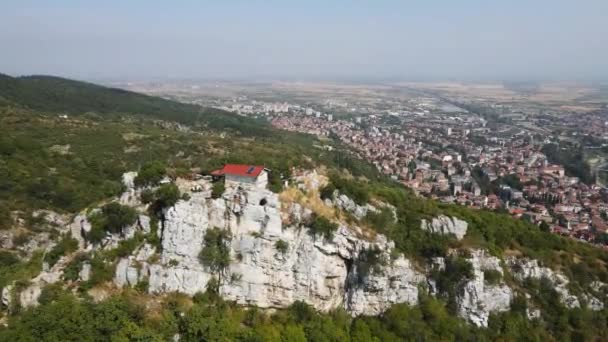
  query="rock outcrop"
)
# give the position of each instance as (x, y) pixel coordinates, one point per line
(345, 203)
(446, 225)
(524, 268)
(479, 298)
(319, 272)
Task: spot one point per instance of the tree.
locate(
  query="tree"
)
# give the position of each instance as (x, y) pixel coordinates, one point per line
(411, 166)
(544, 227)
(112, 219)
(117, 216)
(215, 254)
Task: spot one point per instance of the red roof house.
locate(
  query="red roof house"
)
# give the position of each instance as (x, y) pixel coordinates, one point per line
(243, 174)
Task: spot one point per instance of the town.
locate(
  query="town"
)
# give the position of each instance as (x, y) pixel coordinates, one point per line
(483, 154)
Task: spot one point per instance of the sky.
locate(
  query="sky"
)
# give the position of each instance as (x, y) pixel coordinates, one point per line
(407, 40)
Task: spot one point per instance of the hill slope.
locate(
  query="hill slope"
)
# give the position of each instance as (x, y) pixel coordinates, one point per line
(55, 94)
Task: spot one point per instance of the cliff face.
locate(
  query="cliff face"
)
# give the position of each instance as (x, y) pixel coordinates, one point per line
(275, 260)
(326, 274)
(319, 272)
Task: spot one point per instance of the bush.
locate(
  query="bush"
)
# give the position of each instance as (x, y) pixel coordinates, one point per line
(451, 280)
(150, 174)
(7, 258)
(320, 226)
(5, 217)
(72, 270)
(357, 191)
(66, 245)
(370, 260)
(215, 254)
(142, 286)
(327, 192)
(218, 189)
(282, 246)
(147, 196)
(167, 195)
(21, 239)
(125, 247)
(101, 272)
(492, 277)
(112, 219)
(117, 216)
(50, 293)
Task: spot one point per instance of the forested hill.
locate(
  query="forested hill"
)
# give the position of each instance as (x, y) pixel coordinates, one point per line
(56, 94)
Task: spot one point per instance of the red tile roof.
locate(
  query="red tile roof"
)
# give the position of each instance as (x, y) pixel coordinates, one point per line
(243, 170)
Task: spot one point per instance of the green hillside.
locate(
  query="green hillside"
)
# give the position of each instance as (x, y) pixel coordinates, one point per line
(60, 95)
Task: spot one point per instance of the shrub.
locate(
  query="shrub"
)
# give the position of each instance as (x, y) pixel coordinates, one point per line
(167, 195)
(7, 258)
(5, 217)
(112, 218)
(21, 239)
(142, 286)
(370, 260)
(320, 226)
(150, 174)
(117, 216)
(492, 277)
(215, 254)
(358, 192)
(125, 247)
(72, 270)
(101, 271)
(218, 189)
(66, 245)
(50, 293)
(282, 246)
(450, 280)
(327, 192)
(147, 196)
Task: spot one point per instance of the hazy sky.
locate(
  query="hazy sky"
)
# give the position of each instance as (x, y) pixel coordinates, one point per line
(469, 39)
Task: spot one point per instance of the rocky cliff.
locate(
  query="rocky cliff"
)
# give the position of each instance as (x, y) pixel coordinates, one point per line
(275, 260)
(314, 270)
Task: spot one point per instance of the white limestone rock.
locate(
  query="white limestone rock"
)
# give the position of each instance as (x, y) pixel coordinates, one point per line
(478, 298)
(85, 272)
(6, 239)
(6, 297)
(532, 314)
(347, 204)
(29, 296)
(165, 279)
(184, 228)
(311, 270)
(446, 225)
(524, 268)
(128, 179)
(397, 283)
(79, 227)
(144, 223)
(127, 273)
